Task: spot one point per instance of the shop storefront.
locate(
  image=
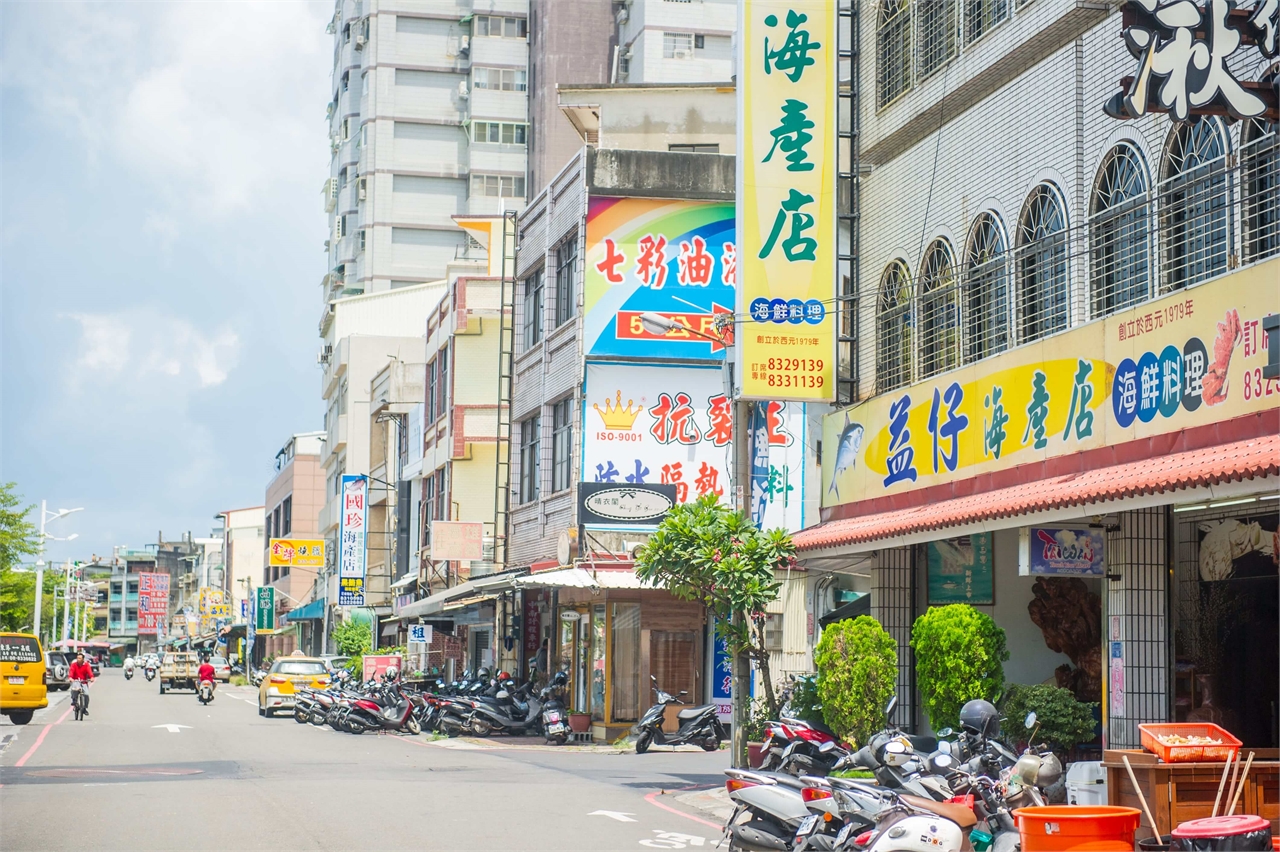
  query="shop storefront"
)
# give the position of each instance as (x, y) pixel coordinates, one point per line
(612, 633)
(1106, 494)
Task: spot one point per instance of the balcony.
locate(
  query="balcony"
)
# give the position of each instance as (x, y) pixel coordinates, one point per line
(337, 436)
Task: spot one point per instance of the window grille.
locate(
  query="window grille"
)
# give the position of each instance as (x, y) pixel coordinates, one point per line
(937, 35)
(1042, 265)
(533, 299)
(677, 45)
(566, 292)
(561, 445)
(530, 470)
(981, 16)
(986, 290)
(893, 595)
(893, 329)
(939, 315)
(1194, 221)
(893, 50)
(1260, 189)
(1119, 234)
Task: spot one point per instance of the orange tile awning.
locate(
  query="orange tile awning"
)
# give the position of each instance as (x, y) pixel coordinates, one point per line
(1214, 465)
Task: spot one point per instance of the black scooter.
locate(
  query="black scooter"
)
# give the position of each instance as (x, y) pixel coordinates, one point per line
(698, 725)
(554, 721)
(505, 712)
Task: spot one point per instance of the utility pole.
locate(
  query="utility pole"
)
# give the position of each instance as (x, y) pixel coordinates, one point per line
(66, 603)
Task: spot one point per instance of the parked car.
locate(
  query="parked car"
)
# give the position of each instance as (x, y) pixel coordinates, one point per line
(335, 661)
(23, 691)
(287, 673)
(58, 669)
(95, 666)
(221, 669)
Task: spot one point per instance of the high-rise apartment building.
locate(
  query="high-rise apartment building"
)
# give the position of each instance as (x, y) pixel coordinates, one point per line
(428, 120)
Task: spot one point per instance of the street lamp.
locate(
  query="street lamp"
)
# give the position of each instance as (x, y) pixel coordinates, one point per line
(45, 517)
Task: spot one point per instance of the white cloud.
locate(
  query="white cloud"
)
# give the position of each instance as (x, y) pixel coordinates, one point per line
(132, 348)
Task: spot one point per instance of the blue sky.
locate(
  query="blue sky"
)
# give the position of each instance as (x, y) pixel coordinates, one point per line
(161, 248)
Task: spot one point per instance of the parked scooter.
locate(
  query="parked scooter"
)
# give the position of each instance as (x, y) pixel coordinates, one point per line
(698, 725)
(510, 710)
(386, 709)
(553, 710)
(205, 692)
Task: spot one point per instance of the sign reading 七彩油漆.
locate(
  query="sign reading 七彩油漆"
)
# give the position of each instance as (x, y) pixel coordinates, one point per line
(1193, 358)
(351, 540)
(674, 258)
(296, 552)
(786, 199)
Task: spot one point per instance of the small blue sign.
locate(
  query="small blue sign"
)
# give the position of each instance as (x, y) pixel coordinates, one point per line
(1068, 551)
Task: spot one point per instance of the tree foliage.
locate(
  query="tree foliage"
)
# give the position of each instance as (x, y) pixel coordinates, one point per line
(706, 552)
(18, 538)
(857, 664)
(1065, 722)
(353, 639)
(960, 654)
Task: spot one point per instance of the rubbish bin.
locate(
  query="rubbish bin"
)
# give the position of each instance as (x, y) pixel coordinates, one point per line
(1086, 783)
(1238, 833)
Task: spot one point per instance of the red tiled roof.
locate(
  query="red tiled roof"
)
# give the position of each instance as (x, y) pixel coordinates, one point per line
(1208, 466)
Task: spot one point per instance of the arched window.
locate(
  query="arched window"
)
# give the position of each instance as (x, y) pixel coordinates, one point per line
(893, 328)
(981, 16)
(893, 50)
(1042, 265)
(936, 34)
(1260, 189)
(1194, 228)
(939, 312)
(1120, 234)
(986, 290)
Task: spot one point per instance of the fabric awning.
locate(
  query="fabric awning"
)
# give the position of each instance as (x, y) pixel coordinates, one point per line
(313, 611)
(404, 582)
(583, 578)
(1215, 465)
(853, 609)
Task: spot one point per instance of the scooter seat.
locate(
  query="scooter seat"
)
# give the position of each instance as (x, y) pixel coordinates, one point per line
(694, 712)
(959, 814)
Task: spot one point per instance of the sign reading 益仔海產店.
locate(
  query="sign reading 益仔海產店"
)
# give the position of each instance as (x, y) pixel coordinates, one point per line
(786, 213)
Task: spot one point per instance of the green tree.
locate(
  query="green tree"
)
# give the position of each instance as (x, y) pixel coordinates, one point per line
(353, 639)
(960, 654)
(1064, 721)
(857, 664)
(706, 552)
(18, 538)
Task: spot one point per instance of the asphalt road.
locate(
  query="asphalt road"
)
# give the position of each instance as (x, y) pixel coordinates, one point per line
(229, 779)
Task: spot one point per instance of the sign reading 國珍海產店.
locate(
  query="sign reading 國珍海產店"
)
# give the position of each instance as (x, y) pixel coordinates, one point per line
(351, 541)
(786, 199)
(1193, 358)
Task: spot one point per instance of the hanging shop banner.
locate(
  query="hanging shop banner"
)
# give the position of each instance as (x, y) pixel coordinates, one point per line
(1193, 358)
(722, 680)
(674, 258)
(608, 504)
(351, 541)
(420, 634)
(376, 665)
(153, 601)
(264, 609)
(296, 552)
(673, 426)
(786, 213)
(962, 570)
(1066, 551)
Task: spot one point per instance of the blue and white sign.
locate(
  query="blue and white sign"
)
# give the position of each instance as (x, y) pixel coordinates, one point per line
(722, 680)
(420, 634)
(1068, 551)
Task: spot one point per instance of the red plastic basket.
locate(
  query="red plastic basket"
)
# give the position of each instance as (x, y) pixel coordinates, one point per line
(1189, 753)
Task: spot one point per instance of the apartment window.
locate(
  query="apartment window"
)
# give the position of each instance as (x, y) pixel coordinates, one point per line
(1042, 265)
(500, 79)
(133, 587)
(502, 132)
(981, 16)
(695, 149)
(893, 328)
(939, 315)
(529, 471)
(936, 35)
(442, 382)
(275, 520)
(286, 516)
(1119, 233)
(346, 80)
(699, 42)
(533, 298)
(1260, 182)
(430, 407)
(493, 25)
(1194, 223)
(441, 510)
(428, 505)
(677, 45)
(497, 186)
(893, 50)
(561, 444)
(986, 290)
(270, 530)
(566, 262)
(131, 615)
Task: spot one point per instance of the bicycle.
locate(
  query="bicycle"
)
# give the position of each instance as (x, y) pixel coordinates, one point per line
(78, 698)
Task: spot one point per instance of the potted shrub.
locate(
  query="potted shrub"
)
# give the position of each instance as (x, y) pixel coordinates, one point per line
(857, 664)
(960, 656)
(579, 722)
(1064, 721)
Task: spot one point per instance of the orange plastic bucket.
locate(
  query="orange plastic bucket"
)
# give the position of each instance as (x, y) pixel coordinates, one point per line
(1062, 828)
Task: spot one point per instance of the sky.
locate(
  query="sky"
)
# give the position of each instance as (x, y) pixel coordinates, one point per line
(161, 248)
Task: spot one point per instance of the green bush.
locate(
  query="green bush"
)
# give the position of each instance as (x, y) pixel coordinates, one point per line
(1065, 722)
(857, 675)
(960, 654)
(805, 703)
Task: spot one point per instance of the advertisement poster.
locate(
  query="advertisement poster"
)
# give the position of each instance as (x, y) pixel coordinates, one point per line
(296, 552)
(1193, 358)
(1068, 552)
(786, 214)
(1116, 690)
(722, 681)
(153, 601)
(351, 541)
(962, 570)
(457, 540)
(673, 425)
(376, 665)
(674, 258)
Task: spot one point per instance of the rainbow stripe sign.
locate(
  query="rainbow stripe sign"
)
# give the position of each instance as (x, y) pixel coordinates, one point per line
(675, 258)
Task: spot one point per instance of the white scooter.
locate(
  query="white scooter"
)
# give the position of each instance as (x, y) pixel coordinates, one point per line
(205, 692)
(128, 670)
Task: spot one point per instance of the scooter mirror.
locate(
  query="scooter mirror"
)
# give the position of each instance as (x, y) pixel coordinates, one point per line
(888, 708)
(683, 692)
(945, 732)
(826, 747)
(1030, 721)
(943, 745)
(652, 678)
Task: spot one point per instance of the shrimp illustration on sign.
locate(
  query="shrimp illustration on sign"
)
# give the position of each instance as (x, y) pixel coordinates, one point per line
(847, 448)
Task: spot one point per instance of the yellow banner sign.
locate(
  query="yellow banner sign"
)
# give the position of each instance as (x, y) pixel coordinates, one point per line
(786, 213)
(296, 552)
(1192, 358)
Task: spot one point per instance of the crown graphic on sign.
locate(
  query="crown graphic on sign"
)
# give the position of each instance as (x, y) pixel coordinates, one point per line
(617, 417)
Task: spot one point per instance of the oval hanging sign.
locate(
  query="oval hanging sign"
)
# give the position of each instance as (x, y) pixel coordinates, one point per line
(628, 504)
(569, 615)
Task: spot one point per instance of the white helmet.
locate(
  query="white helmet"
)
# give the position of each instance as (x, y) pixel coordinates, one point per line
(391, 673)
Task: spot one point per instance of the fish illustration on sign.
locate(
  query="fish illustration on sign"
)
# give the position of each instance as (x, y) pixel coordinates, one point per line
(847, 448)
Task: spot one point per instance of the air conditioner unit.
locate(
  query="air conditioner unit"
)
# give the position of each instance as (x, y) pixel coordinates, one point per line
(463, 91)
(330, 194)
(680, 54)
(361, 190)
(623, 16)
(335, 141)
(464, 43)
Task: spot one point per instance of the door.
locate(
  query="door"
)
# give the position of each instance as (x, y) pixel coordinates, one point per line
(673, 660)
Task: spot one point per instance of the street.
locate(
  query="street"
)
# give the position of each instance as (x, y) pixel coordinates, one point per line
(149, 771)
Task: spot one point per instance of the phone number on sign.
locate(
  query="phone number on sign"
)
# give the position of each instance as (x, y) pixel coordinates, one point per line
(790, 372)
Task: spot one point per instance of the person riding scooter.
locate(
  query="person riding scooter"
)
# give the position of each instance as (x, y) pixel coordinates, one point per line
(205, 675)
(128, 668)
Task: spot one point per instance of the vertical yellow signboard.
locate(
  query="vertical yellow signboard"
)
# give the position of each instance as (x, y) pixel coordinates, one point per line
(786, 199)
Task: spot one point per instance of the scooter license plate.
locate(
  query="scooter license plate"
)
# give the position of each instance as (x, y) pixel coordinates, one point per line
(807, 825)
(844, 835)
(555, 729)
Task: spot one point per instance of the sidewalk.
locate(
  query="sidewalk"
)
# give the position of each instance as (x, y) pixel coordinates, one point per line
(540, 744)
(714, 803)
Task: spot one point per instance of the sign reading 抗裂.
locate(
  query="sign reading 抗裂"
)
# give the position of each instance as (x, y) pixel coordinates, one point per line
(1183, 50)
(786, 199)
(351, 540)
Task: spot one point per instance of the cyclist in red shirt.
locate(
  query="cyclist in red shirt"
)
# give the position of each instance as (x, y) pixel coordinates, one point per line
(83, 672)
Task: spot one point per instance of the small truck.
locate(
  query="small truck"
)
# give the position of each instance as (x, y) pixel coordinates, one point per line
(179, 670)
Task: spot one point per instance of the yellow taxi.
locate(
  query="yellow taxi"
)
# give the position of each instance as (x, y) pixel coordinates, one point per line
(285, 676)
(23, 687)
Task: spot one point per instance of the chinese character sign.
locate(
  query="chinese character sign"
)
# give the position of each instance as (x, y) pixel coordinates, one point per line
(786, 216)
(296, 552)
(1192, 359)
(674, 258)
(646, 425)
(153, 601)
(351, 540)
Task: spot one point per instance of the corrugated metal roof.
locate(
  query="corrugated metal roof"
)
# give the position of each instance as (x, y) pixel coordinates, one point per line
(582, 578)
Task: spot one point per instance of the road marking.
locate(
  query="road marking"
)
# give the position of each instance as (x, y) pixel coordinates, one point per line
(618, 815)
(652, 799)
(22, 760)
(173, 729)
(672, 840)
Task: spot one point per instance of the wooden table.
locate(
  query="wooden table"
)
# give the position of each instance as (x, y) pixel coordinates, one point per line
(1177, 792)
